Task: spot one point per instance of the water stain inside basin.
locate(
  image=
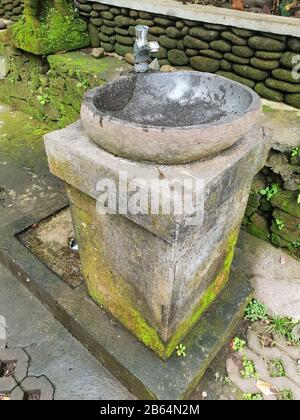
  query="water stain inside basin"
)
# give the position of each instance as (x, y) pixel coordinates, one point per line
(172, 100)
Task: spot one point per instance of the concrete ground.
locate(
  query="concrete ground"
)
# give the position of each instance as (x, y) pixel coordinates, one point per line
(26, 186)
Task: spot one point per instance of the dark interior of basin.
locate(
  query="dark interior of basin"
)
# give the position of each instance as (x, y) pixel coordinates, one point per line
(173, 99)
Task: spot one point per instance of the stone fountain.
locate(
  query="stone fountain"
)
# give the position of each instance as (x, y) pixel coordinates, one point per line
(157, 272)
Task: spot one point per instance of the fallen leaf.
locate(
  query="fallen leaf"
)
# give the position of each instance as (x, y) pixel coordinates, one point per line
(266, 388)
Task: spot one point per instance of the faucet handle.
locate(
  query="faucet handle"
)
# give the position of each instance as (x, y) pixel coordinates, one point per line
(154, 46)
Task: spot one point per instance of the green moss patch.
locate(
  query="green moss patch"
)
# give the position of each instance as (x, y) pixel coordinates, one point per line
(52, 31)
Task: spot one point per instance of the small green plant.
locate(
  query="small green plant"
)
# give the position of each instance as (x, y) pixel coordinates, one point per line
(269, 192)
(256, 311)
(180, 349)
(248, 370)
(283, 327)
(225, 380)
(295, 245)
(252, 397)
(285, 395)
(85, 84)
(295, 152)
(238, 344)
(276, 369)
(279, 223)
(43, 99)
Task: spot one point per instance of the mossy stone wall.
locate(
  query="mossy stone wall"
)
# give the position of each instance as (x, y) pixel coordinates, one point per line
(273, 211)
(50, 89)
(11, 9)
(261, 61)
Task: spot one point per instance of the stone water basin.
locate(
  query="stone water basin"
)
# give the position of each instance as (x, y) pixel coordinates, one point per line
(169, 118)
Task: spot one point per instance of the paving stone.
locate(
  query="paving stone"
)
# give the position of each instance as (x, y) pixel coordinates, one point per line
(2, 333)
(7, 385)
(260, 355)
(17, 394)
(41, 384)
(22, 361)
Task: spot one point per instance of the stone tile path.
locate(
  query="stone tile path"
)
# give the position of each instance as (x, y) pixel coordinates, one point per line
(262, 355)
(48, 359)
(14, 382)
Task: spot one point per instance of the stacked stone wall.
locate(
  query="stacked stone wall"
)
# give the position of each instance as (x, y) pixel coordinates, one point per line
(11, 9)
(262, 61)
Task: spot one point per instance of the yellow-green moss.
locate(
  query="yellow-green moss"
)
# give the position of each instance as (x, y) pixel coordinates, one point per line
(114, 294)
(207, 298)
(51, 31)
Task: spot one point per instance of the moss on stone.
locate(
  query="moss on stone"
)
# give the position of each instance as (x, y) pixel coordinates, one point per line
(293, 99)
(194, 43)
(262, 43)
(178, 57)
(117, 296)
(236, 78)
(263, 64)
(282, 86)
(51, 32)
(205, 64)
(268, 93)
(250, 72)
(284, 75)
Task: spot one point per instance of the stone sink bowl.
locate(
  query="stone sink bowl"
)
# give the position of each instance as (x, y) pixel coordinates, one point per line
(169, 118)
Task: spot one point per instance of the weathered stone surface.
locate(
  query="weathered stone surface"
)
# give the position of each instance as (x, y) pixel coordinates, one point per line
(293, 99)
(167, 42)
(205, 64)
(122, 49)
(211, 54)
(94, 36)
(225, 65)
(204, 34)
(125, 40)
(264, 64)
(284, 75)
(157, 30)
(173, 32)
(191, 53)
(164, 22)
(236, 40)
(124, 21)
(236, 78)
(268, 55)
(102, 238)
(236, 59)
(268, 93)
(287, 201)
(178, 57)
(294, 44)
(244, 33)
(288, 228)
(250, 72)
(282, 86)
(220, 45)
(195, 43)
(242, 51)
(259, 227)
(289, 59)
(262, 43)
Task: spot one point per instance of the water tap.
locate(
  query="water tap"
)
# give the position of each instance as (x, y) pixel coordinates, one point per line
(143, 48)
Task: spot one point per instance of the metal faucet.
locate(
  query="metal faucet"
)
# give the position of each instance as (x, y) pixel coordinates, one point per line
(142, 49)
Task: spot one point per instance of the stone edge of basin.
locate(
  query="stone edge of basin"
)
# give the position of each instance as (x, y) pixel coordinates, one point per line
(69, 151)
(166, 145)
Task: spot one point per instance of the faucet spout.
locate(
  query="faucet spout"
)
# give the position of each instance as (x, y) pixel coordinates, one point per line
(143, 48)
